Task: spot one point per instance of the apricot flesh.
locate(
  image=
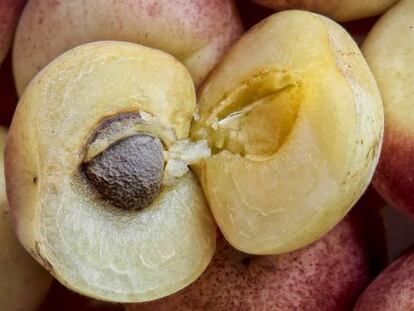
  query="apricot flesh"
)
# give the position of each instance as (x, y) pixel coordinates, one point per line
(294, 120)
(389, 50)
(23, 282)
(89, 245)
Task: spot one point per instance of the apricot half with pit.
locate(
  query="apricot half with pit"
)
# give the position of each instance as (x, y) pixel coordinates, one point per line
(100, 192)
(294, 120)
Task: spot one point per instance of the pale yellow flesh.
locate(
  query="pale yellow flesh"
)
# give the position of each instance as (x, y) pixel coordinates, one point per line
(97, 250)
(312, 162)
(343, 10)
(23, 282)
(389, 50)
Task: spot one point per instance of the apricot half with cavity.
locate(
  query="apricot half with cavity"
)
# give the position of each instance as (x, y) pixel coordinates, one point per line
(294, 119)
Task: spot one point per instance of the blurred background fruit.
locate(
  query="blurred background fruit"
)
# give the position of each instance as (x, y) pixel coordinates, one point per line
(327, 275)
(393, 289)
(23, 282)
(196, 32)
(389, 50)
(9, 13)
(341, 11)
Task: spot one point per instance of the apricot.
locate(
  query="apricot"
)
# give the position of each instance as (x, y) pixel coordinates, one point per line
(23, 282)
(342, 11)
(196, 32)
(329, 274)
(9, 13)
(87, 137)
(392, 290)
(389, 50)
(294, 120)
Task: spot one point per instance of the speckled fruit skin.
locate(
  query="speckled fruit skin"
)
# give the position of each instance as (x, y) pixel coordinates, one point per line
(196, 32)
(23, 282)
(394, 178)
(392, 290)
(9, 14)
(342, 11)
(389, 50)
(328, 275)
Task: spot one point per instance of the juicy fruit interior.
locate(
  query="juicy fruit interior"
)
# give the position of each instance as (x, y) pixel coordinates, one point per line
(295, 131)
(255, 119)
(92, 247)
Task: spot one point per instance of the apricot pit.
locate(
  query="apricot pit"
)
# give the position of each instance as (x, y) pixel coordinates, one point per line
(129, 172)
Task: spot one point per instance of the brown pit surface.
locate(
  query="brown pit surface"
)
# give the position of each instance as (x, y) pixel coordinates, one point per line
(128, 174)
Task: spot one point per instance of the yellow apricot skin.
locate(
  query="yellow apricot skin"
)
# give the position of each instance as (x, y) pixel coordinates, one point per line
(89, 246)
(389, 51)
(294, 120)
(23, 282)
(341, 11)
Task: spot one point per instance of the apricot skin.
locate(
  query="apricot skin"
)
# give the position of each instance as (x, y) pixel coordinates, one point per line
(393, 178)
(389, 50)
(23, 282)
(342, 11)
(196, 32)
(327, 275)
(392, 290)
(9, 14)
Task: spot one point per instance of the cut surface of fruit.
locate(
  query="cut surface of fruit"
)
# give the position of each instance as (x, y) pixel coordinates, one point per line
(89, 244)
(389, 50)
(294, 120)
(23, 282)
